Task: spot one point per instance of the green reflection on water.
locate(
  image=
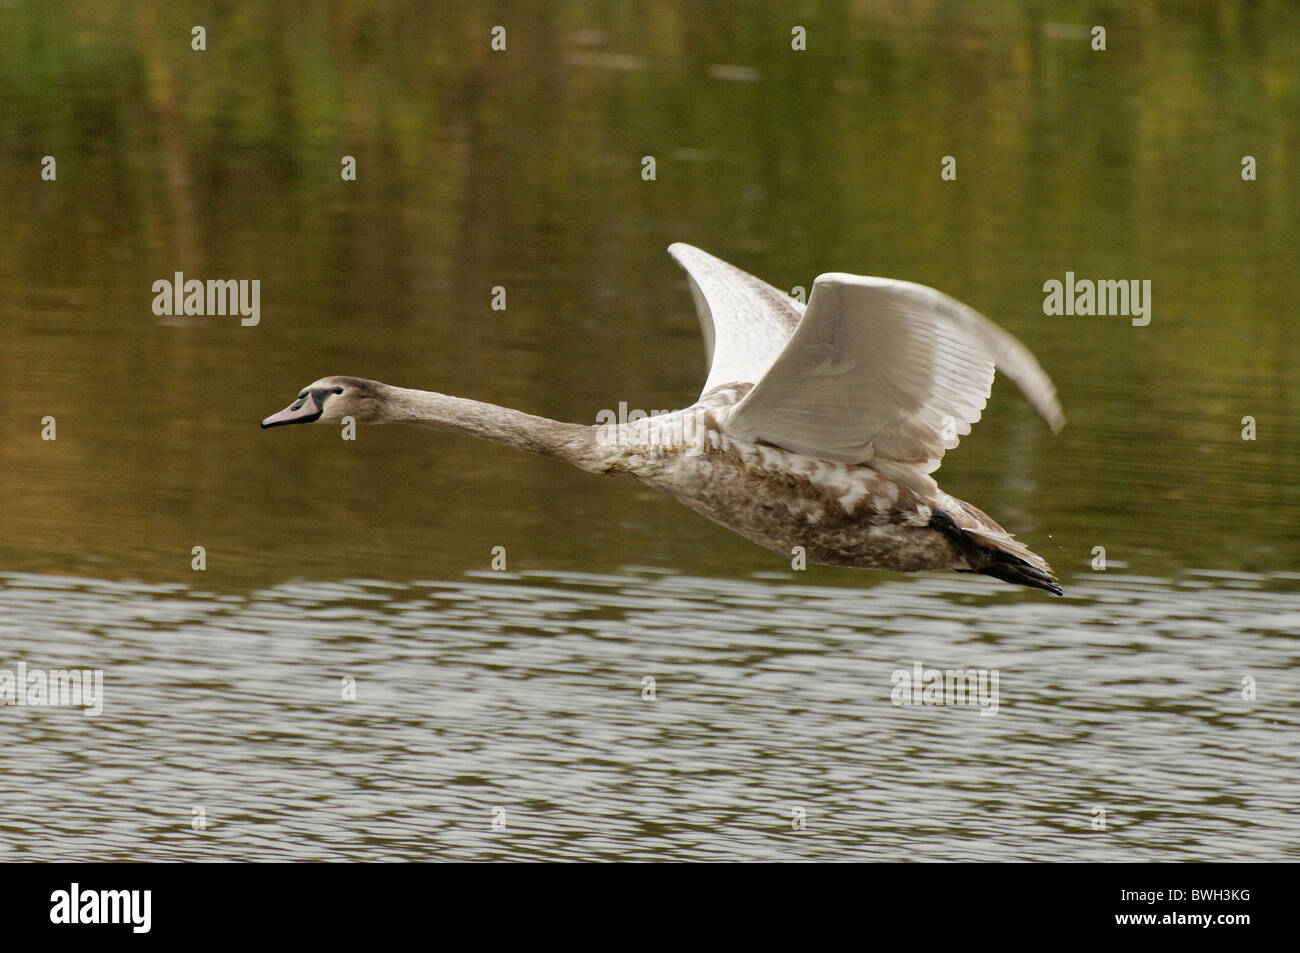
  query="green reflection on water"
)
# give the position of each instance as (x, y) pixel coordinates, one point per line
(523, 170)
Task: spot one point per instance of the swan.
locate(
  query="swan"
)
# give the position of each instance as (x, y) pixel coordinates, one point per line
(819, 426)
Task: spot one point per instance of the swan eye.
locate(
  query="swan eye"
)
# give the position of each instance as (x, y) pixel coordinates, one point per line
(337, 390)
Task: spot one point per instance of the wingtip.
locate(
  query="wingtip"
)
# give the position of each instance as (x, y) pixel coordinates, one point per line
(1037, 388)
(1055, 418)
(692, 258)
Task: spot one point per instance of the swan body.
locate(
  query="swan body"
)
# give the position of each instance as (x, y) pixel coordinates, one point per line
(818, 427)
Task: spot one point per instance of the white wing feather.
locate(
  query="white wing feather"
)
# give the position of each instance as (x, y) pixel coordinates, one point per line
(888, 369)
(746, 322)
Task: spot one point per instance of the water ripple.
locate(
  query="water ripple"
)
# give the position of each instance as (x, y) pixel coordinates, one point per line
(523, 692)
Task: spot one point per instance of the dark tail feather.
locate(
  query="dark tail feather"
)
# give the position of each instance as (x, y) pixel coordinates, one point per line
(991, 551)
(1011, 569)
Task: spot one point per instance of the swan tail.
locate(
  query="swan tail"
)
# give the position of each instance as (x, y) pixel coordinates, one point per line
(990, 550)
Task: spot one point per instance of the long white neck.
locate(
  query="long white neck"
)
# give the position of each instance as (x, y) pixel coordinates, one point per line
(572, 443)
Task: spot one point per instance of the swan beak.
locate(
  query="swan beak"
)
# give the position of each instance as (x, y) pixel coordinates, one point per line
(301, 411)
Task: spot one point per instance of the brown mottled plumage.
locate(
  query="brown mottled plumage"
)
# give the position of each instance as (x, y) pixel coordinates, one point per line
(816, 428)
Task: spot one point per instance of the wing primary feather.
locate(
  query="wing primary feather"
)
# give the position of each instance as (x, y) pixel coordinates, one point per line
(880, 368)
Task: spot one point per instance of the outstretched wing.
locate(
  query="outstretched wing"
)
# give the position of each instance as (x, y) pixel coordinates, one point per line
(746, 322)
(887, 369)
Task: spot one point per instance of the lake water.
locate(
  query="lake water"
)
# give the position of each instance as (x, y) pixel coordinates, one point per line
(1163, 690)
(525, 693)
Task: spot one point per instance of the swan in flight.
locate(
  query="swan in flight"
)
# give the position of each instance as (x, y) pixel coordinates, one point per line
(818, 426)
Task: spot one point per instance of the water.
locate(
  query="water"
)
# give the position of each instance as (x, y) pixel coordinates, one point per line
(522, 690)
(525, 693)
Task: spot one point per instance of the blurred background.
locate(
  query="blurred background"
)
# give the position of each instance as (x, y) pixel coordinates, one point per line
(522, 169)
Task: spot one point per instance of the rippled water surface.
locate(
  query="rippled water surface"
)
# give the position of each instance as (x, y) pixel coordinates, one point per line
(525, 693)
(1163, 690)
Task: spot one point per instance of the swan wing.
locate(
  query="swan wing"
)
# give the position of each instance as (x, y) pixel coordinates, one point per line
(746, 322)
(888, 369)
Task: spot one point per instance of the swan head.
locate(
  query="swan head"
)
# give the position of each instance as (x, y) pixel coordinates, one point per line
(332, 399)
